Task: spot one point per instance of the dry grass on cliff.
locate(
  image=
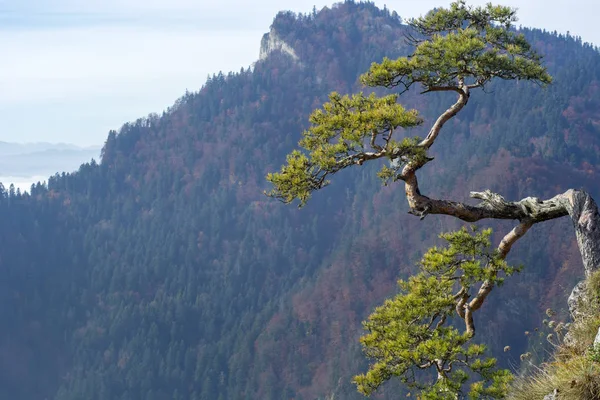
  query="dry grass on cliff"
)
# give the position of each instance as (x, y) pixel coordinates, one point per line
(575, 366)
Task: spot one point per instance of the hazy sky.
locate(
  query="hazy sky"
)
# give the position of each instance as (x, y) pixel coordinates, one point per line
(70, 70)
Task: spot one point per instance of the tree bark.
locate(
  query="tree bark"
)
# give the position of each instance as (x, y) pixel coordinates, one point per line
(584, 214)
(585, 218)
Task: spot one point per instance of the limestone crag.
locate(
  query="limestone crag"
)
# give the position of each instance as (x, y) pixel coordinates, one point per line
(272, 42)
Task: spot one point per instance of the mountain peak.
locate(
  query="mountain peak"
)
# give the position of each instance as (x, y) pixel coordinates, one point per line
(271, 42)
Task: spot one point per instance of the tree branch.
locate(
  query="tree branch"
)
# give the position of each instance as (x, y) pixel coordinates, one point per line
(373, 144)
(442, 89)
(476, 85)
(463, 98)
(505, 245)
(492, 206)
(468, 317)
(510, 238)
(462, 296)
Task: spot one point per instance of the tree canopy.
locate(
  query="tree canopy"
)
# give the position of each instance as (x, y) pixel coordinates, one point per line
(456, 50)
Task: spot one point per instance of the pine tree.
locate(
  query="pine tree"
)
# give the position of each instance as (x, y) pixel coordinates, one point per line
(456, 50)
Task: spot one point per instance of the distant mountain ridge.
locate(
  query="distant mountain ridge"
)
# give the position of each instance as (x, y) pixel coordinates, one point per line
(42, 159)
(13, 148)
(163, 272)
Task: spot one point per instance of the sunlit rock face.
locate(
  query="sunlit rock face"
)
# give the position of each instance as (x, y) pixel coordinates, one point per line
(272, 42)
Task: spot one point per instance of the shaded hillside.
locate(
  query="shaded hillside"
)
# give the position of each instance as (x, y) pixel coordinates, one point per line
(164, 273)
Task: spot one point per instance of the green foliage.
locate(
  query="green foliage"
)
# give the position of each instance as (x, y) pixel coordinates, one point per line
(458, 48)
(340, 136)
(462, 43)
(295, 181)
(468, 257)
(416, 332)
(594, 353)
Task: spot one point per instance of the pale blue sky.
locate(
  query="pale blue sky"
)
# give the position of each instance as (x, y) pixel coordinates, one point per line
(71, 70)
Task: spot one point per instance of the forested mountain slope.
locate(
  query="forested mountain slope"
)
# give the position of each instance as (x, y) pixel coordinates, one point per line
(163, 272)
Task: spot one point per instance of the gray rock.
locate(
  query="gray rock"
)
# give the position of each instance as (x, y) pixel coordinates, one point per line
(552, 396)
(586, 220)
(576, 298)
(272, 42)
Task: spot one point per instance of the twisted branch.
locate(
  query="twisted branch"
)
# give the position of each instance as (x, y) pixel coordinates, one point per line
(528, 211)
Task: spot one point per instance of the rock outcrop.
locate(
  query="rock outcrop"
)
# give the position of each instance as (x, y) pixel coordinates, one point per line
(272, 42)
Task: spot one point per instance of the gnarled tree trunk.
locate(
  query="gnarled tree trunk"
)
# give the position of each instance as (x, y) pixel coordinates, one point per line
(584, 214)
